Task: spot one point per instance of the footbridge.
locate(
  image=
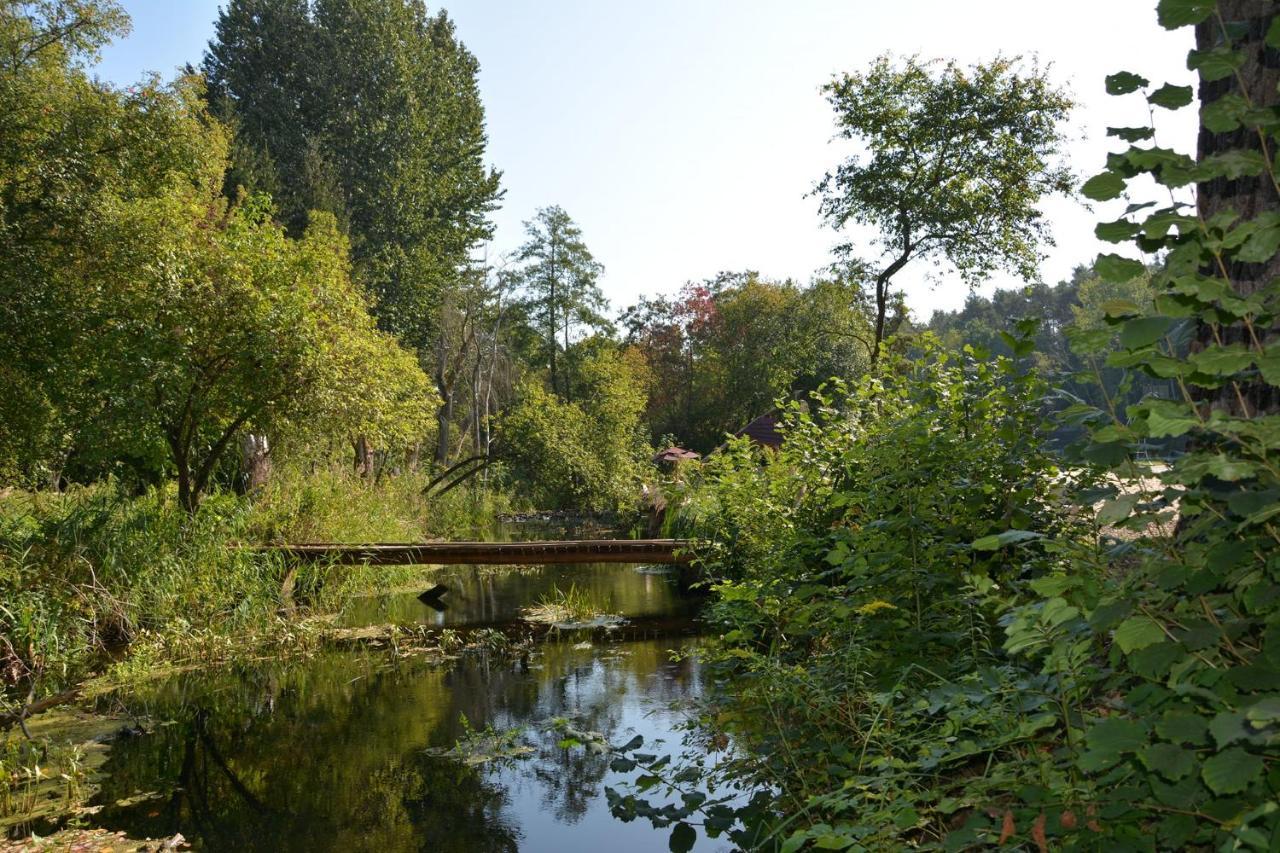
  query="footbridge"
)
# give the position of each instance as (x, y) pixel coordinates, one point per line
(670, 551)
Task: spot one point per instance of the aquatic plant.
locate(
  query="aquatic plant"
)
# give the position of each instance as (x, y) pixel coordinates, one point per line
(572, 606)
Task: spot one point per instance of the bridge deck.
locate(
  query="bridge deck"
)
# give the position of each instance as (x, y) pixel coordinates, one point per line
(495, 553)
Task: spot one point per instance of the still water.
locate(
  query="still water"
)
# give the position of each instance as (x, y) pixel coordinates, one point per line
(347, 750)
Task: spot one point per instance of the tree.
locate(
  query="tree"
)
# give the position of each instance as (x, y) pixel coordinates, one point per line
(560, 282)
(956, 162)
(149, 320)
(588, 453)
(368, 109)
(211, 321)
(66, 143)
(726, 350)
(1241, 34)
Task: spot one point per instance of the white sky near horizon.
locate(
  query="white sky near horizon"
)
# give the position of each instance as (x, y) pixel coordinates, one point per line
(684, 136)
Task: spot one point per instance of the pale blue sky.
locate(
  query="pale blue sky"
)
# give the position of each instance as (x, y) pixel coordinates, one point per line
(684, 136)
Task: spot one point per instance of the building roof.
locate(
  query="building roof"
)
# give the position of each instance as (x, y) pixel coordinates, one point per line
(764, 430)
(674, 454)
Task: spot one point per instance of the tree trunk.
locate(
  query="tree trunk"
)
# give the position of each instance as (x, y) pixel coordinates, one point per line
(255, 463)
(1256, 81)
(882, 299)
(188, 495)
(363, 455)
(551, 333)
(444, 423)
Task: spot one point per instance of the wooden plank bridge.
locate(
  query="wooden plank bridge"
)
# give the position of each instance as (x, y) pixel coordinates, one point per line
(494, 553)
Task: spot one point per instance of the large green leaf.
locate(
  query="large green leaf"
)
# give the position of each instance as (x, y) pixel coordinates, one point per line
(1131, 134)
(1171, 97)
(1103, 186)
(1222, 361)
(1231, 771)
(1184, 727)
(1269, 365)
(683, 837)
(1144, 331)
(1138, 632)
(1000, 540)
(1167, 419)
(1117, 510)
(1110, 267)
(1216, 63)
(1115, 232)
(1124, 82)
(1169, 760)
(1179, 13)
(1224, 114)
(1232, 164)
(1116, 735)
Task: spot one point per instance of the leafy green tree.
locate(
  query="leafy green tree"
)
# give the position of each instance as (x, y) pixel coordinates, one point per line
(368, 109)
(728, 349)
(66, 143)
(560, 279)
(957, 161)
(588, 453)
(211, 321)
(256, 68)
(150, 320)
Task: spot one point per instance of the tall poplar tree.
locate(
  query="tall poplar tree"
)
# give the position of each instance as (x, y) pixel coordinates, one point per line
(368, 109)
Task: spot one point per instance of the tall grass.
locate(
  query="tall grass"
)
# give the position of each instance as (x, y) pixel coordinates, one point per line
(85, 573)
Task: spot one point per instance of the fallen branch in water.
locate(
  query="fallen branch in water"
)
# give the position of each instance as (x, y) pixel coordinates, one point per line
(31, 709)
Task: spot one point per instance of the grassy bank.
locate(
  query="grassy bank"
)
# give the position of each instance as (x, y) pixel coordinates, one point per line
(92, 576)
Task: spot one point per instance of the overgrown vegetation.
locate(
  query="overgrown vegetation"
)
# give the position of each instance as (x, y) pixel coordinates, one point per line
(89, 572)
(938, 634)
(1000, 585)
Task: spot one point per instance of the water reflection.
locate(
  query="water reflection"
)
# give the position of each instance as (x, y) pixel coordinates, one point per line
(479, 595)
(332, 753)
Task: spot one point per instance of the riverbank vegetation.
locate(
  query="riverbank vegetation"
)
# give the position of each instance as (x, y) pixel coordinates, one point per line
(1009, 576)
(958, 611)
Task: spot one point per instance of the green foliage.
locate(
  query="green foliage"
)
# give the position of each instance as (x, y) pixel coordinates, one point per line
(1073, 310)
(940, 639)
(586, 454)
(162, 321)
(723, 352)
(559, 279)
(92, 570)
(69, 147)
(370, 111)
(865, 679)
(957, 161)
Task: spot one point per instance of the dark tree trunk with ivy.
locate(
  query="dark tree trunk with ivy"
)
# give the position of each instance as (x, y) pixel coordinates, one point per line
(1241, 25)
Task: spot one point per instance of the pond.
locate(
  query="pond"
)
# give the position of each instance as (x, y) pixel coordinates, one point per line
(356, 749)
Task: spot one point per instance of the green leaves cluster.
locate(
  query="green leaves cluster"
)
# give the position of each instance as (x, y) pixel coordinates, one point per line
(370, 111)
(588, 453)
(147, 321)
(937, 635)
(861, 666)
(956, 163)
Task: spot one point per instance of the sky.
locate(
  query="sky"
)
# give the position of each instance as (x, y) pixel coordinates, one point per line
(684, 136)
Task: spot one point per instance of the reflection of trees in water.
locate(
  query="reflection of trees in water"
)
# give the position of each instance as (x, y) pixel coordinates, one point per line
(596, 694)
(266, 799)
(328, 754)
